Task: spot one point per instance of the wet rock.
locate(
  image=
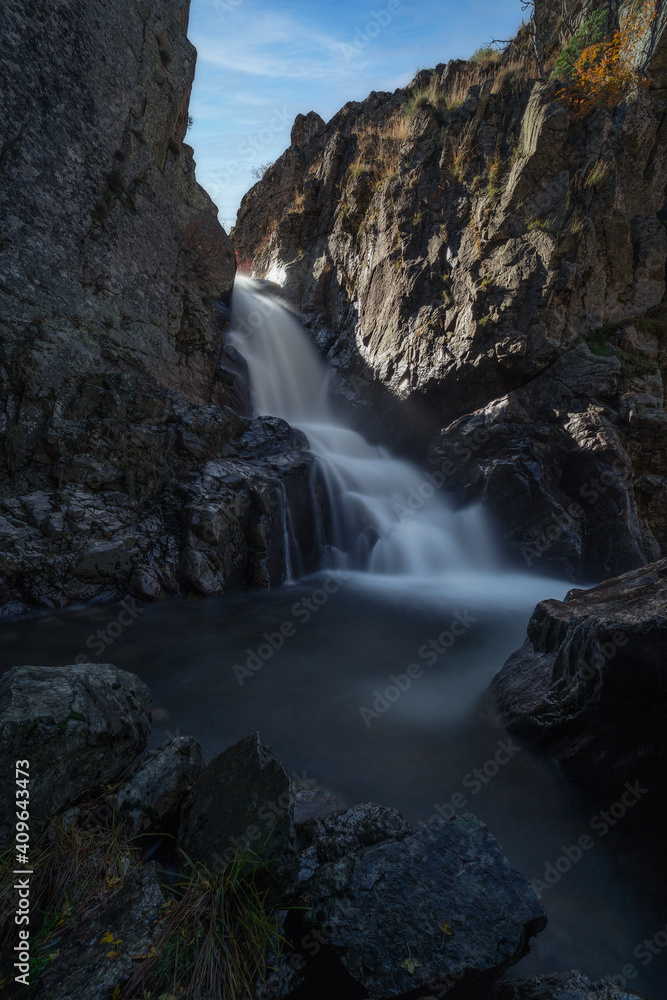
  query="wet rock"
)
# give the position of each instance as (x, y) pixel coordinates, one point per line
(87, 967)
(152, 797)
(78, 726)
(242, 803)
(203, 505)
(562, 986)
(551, 466)
(440, 908)
(586, 659)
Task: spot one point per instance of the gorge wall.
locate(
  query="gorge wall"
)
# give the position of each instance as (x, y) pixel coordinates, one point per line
(449, 243)
(115, 277)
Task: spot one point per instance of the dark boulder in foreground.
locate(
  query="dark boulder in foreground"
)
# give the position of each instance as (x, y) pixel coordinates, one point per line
(79, 727)
(590, 681)
(564, 986)
(440, 908)
(242, 803)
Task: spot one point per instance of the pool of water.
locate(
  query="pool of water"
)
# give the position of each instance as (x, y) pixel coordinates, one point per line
(375, 688)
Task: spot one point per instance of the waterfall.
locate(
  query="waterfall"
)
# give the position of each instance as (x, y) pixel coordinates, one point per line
(381, 515)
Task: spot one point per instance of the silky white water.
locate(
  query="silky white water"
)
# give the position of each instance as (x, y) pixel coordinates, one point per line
(383, 515)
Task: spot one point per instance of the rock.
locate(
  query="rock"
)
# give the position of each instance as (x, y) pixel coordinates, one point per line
(440, 908)
(550, 464)
(201, 508)
(141, 256)
(83, 969)
(242, 803)
(115, 377)
(78, 726)
(585, 660)
(152, 796)
(640, 341)
(327, 838)
(562, 986)
(306, 128)
(441, 261)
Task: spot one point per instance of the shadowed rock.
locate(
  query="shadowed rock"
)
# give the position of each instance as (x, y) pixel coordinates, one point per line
(79, 727)
(589, 682)
(152, 796)
(440, 908)
(242, 804)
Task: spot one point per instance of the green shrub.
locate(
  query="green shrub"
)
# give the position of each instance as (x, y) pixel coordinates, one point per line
(591, 32)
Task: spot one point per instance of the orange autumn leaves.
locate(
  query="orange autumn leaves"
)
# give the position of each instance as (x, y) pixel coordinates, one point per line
(604, 74)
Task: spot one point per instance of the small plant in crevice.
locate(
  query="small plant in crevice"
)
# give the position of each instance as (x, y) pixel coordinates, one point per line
(258, 172)
(216, 939)
(603, 74)
(78, 866)
(598, 173)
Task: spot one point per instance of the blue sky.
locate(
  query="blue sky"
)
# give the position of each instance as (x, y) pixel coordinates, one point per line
(262, 63)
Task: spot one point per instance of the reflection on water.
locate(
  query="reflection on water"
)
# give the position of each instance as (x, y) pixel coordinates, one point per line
(435, 743)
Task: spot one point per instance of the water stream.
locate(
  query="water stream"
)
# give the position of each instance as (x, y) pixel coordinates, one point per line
(370, 525)
(320, 667)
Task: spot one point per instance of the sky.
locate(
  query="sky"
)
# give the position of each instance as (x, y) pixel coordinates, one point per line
(260, 63)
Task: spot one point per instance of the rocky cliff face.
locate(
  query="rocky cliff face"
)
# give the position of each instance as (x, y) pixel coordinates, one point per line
(114, 282)
(449, 242)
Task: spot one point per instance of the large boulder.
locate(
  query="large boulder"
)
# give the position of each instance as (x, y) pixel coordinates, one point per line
(561, 986)
(586, 659)
(78, 727)
(152, 795)
(242, 804)
(550, 464)
(440, 908)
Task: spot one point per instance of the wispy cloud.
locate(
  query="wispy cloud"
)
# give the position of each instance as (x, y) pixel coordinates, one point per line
(256, 61)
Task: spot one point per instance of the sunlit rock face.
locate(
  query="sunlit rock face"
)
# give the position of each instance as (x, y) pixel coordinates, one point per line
(447, 243)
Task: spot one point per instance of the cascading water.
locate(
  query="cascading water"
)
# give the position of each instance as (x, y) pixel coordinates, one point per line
(371, 523)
